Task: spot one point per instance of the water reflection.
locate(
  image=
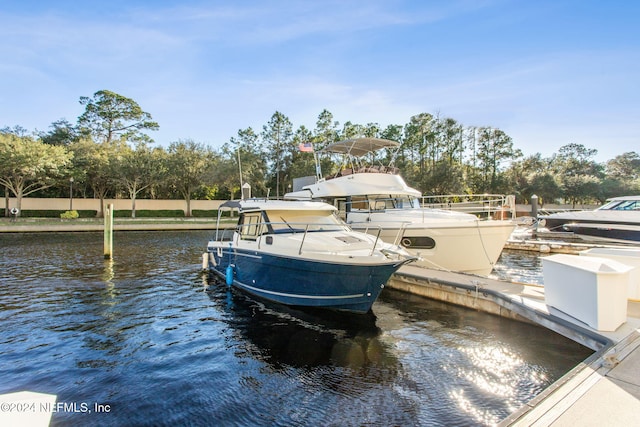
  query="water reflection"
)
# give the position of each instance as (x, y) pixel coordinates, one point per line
(304, 338)
(439, 364)
(478, 367)
(519, 266)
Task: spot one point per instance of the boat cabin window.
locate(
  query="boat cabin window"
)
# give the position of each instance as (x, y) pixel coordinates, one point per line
(629, 205)
(622, 205)
(382, 204)
(252, 226)
(406, 202)
(399, 202)
(359, 203)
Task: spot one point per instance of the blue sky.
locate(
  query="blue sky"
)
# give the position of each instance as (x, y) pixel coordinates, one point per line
(546, 72)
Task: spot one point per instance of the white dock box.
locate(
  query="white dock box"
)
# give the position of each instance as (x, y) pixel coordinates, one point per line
(628, 256)
(590, 289)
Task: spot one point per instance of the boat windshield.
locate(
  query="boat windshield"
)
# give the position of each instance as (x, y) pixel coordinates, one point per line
(383, 202)
(621, 205)
(299, 221)
(407, 203)
(388, 202)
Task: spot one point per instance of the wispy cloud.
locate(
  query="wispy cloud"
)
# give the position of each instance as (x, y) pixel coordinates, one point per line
(206, 70)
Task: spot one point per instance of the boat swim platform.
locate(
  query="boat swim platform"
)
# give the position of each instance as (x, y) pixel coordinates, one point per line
(603, 390)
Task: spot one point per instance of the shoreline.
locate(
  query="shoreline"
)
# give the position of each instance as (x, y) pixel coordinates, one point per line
(44, 225)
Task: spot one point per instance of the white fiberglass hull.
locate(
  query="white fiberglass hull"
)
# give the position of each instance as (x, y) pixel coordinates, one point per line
(471, 246)
(443, 239)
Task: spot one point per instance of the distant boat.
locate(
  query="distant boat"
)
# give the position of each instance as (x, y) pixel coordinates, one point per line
(617, 221)
(302, 254)
(375, 198)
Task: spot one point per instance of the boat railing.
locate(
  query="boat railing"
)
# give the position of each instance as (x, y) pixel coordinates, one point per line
(486, 205)
(224, 235)
(399, 233)
(481, 205)
(264, 231)
(364, 169)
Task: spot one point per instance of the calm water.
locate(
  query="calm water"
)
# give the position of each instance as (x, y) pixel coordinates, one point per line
(519, 266)
(150, 336)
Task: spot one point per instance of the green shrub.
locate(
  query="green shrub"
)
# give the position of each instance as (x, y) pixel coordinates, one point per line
(69, 215)
(145, 213)
(55, 214)
(199, 213)
(26, 213)
(88, 214)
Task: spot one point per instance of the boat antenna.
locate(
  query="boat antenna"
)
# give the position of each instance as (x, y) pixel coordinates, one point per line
(240, 172)
(316, 160)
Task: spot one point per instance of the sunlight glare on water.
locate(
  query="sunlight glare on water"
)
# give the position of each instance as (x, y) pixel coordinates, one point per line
(519, 266)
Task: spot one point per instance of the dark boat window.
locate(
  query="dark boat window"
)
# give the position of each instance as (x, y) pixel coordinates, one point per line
(418, 242)
(621, 205)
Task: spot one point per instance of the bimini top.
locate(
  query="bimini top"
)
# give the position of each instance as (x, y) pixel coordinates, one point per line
(359, 147)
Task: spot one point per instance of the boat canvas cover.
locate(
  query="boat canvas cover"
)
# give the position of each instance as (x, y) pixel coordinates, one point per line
(359, 147)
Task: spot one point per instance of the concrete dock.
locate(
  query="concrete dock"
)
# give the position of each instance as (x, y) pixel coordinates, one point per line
(604, 390)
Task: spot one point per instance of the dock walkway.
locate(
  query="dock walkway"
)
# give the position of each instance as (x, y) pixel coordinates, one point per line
(604, 390)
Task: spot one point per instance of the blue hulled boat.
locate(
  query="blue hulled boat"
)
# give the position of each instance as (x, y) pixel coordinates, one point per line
(302, 254)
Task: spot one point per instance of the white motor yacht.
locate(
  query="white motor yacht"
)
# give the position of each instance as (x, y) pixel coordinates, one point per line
(375, 198)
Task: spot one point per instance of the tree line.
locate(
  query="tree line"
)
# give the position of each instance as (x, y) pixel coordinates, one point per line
(108, 152)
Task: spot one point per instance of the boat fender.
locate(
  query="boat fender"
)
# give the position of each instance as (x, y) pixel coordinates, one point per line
(229, 275)
(229, 271)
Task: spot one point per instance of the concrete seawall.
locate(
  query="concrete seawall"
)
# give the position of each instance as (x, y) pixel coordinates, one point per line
(80, 204)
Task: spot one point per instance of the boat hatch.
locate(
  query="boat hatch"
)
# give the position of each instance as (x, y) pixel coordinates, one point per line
(349, 239)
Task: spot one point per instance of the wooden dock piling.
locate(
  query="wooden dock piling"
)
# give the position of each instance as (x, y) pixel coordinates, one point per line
(108, 231)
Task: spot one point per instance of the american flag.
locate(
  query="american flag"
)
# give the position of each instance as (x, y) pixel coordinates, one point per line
(306, 147)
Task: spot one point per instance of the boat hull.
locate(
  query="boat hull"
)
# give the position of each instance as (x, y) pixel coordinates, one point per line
(303, 282)
(617, 212)
(556, 222)
(472, 249)
(613, 233)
